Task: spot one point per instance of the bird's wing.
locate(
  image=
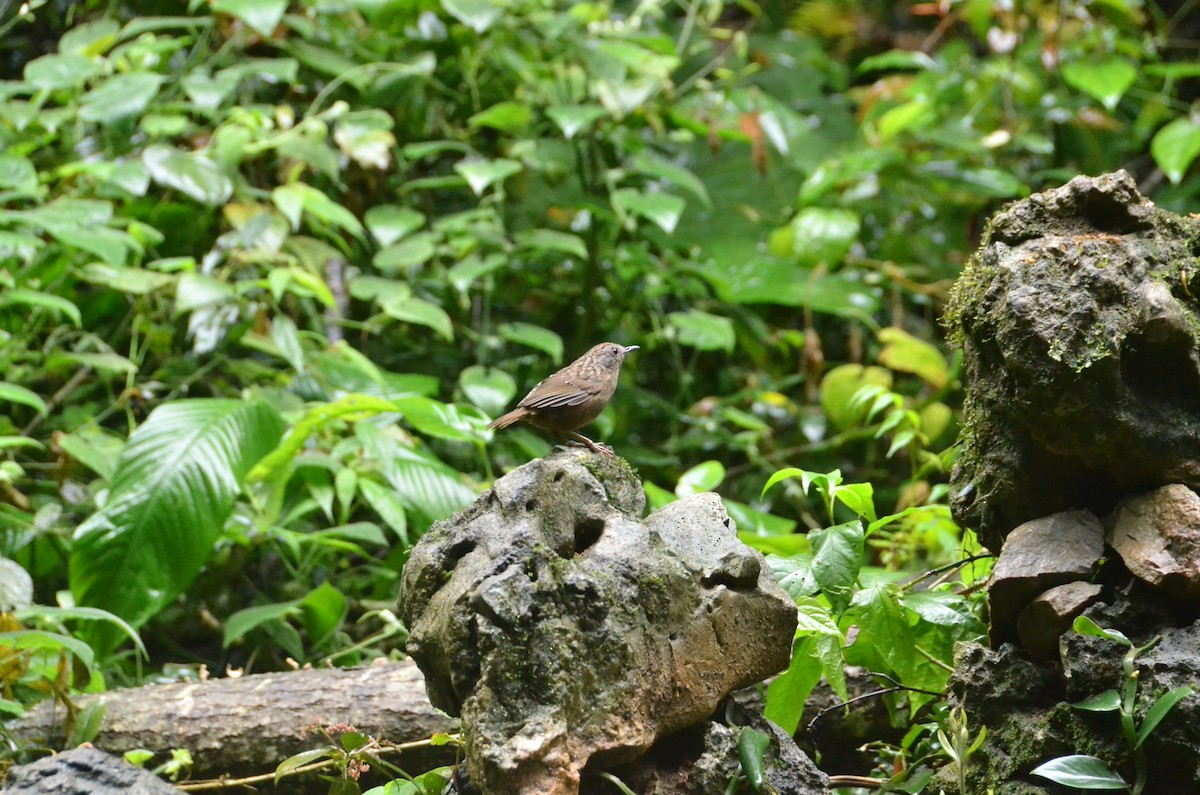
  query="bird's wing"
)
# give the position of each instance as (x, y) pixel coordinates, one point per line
(556, 391)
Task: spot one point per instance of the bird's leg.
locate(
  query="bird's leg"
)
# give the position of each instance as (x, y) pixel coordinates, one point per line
(589, 444)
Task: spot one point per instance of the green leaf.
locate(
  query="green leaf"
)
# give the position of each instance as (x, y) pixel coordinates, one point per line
(884, 626)
(1081, 772)
(87, 723)
(83, 614)
(14, 393)
(314, 202)
(572, 119)
(551, 240)
(243, 621)
(907, 354)
(107, 244)
(94, 447)
(787, 694)
(772, 280)
(135, 281)
(286, 337)
(303, 758)
(174, 488)
(324, 610)
(107, 362)
(389, 507)
(1086, 626)
(409, 253)
(423, 484)
(858, 497)
(261, 15)
(191, 173)
(18, 173)
(837, 558)
(807, 478)
(794, 574)
(839, 387)
(16, 587)
(478, 15)
(1159, 709)
(535, 337)
(1176, 146)
(434, 418)
(119, 97)
(479, 174)
(415, 310)
(700, 478)
(504, 116)
(1108, 701)
(473, 268)
(894, 60)
(677, 175)
(52, 72)
(489, 388)
(390, 222)
(33, 298)
(819, 235)
(367, 137)
(752, 745)
(90, 38)
(51, 641)
(207, 93)
(661, 209)
(1106, 81)
(702, 331)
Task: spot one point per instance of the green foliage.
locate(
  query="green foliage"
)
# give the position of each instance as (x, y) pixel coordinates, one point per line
(906, 634)
(1085, 772)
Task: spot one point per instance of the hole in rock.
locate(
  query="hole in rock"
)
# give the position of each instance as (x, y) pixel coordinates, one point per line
(559, 475)
(531, 505)
(456, 552)
(587, 532)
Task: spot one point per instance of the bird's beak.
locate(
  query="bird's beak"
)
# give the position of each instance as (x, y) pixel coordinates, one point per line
(631, 349)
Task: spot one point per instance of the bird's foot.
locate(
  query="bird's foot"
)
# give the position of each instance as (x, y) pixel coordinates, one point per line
(578, 439)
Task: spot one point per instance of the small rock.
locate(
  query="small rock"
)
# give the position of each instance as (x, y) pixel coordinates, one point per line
(1037, 556)
(1157, 535)
(1050, 615)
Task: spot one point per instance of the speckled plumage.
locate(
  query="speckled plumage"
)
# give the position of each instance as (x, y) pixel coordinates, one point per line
(574, 396)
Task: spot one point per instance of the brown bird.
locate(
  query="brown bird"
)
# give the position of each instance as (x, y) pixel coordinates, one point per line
(574, 396)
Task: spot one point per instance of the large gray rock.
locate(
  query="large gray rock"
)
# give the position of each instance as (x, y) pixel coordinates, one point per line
(1080, 324)
(564, 630)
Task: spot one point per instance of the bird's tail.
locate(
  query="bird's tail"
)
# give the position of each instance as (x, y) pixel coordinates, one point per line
(504, 420)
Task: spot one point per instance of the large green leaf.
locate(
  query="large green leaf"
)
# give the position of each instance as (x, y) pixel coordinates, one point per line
(1176, 146)
(1081, 772)
(261, 15)
(190, 173)
(702, 330)
(60, 71)
(173, 490)
(119, 96)
(427, 488)
(1106, 80)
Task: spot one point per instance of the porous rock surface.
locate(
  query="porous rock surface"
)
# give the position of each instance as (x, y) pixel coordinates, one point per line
(83, 771)
(1081, 350)
(564, 630)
